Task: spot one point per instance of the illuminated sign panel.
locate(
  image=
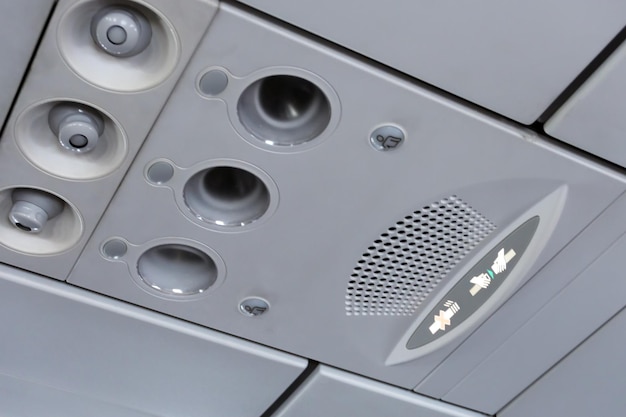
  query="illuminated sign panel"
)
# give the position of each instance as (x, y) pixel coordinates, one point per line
(476, 286)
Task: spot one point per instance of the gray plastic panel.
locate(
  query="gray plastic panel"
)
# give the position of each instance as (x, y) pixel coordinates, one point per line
(541, 323)
(71, 349)
(472, 294)
(25, 398)
(22, 23)
(590, 379)
(512, 57)
(330, 392)
(592, 118)
(70, 67)
(329, 198)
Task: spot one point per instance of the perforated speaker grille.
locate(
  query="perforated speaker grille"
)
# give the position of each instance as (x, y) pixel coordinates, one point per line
(405, 264)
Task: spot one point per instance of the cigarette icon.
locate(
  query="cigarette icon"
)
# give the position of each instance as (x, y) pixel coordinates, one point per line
(443, 318)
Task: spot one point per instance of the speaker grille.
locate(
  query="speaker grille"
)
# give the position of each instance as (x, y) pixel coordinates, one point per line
(405, 264)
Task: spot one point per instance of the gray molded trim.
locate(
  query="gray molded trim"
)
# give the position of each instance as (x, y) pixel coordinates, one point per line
(332, 392)
(548, 210)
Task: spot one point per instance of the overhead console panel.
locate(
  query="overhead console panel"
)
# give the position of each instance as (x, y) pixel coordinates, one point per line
(78, 352)
(592, 374)
(306, 200)
(22, 25)
(592, 119)
(332, 392)
(506, 56)
(81, 116)
(541, 323)
(251, 181)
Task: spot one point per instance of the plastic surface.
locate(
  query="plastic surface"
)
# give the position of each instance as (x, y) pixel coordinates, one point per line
(26, 398)
(175, 269)
(592, 119)
(61, 138)
(114, 249)
(55, 233)
(22, 24)
(213, 82)
(77, 127)
(33, 208)
(470, 305)
(128, 46)
(227, 196)
(330, 392)
(329, 198)
(481, 51)
(386, 137)
(284, 110)
(259, 206)
(589, 380)
(466, 292)
(121, 31)
(69, 66)
(70, 349)
(541, 323)
(530, 345)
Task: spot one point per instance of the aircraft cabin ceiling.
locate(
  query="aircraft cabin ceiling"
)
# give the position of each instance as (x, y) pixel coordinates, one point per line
(294, 209)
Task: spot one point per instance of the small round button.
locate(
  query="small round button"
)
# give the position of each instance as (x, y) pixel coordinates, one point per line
(213, 82)
(386, 138)
(253, 306)
(160, 172)
(114, 249)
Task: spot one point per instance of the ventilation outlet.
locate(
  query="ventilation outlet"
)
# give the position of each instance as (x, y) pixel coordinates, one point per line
(32, 209)
(284, 110)
(121, 31)
(118, 45)
(227, 196)
(177, 270)
(37, 222)
(77, 127)
(405, 264)
(71, 140)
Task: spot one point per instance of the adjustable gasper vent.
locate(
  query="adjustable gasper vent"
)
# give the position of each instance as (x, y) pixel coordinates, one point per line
(405, 264)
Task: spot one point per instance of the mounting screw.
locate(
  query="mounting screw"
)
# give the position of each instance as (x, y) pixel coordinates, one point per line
(386, 138)
(253, 306)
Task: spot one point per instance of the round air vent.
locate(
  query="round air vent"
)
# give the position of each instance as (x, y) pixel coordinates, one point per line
(175, 269)
(227, 196)
(284, 110)
(38, 222)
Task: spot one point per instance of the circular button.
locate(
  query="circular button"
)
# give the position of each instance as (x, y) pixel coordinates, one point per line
(160, 172)
(386, 138)
(114, 249)
(253, 306)
(213, 82)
